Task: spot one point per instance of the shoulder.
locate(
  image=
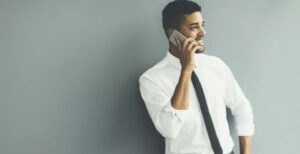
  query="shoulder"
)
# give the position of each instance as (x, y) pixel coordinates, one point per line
(154, 71)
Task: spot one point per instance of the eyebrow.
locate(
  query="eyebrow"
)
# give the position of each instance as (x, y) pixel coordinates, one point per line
(196, 23)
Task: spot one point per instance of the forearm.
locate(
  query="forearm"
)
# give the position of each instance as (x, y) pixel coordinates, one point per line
(245, 144)
(180, 98)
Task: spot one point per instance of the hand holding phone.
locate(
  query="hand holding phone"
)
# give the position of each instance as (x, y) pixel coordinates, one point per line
(180, 36)
(186, 51)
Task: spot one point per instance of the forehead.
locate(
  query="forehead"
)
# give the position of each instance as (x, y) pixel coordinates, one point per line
(195, 17)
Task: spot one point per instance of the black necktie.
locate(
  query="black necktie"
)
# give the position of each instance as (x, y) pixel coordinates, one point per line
(214, 141)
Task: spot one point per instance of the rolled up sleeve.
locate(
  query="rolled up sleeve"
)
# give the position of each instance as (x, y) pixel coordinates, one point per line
(167, 120)
(238, 104)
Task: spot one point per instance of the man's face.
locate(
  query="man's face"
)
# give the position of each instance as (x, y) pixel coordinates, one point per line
(193, 26)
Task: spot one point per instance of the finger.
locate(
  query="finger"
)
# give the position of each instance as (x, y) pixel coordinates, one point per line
(186, 43)
(191, 45)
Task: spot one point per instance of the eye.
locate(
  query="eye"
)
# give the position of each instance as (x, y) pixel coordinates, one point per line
(194, 27)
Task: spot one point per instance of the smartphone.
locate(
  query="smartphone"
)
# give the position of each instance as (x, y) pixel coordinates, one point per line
(180, 36)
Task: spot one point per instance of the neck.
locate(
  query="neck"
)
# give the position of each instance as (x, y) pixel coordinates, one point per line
(173, 50)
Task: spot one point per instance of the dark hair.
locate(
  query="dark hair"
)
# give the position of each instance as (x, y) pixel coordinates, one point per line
(173, 13)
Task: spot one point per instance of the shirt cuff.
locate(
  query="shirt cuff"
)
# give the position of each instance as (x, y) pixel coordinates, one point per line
(245, 129)
(180, 114)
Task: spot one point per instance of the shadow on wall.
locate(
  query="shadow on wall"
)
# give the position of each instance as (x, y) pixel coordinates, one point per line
(129, 123)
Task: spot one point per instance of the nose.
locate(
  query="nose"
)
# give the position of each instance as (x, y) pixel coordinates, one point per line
(202, 32)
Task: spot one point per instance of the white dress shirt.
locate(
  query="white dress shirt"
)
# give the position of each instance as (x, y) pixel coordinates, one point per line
(184, 130)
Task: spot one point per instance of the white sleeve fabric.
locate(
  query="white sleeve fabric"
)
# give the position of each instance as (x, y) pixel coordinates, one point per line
(238, 103)
(167, 120)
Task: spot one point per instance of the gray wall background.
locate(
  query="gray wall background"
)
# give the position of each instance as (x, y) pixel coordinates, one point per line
(69, 72)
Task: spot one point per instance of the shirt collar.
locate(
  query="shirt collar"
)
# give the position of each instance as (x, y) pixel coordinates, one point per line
(175, 61)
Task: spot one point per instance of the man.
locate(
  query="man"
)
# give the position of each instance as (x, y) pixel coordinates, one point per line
(191, 116)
